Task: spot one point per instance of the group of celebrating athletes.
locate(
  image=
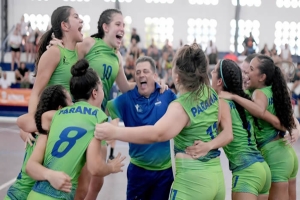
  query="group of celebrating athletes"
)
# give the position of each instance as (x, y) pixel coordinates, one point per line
(248, 112)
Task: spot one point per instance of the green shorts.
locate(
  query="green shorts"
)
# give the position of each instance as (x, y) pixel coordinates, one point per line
(296, 163)
(38, 196)
(255, 179)
(281, 159)
(196, 179)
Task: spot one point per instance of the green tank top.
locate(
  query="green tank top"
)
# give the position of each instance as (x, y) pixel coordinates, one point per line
(105, 62)
(72, 130)
(266, 132)
(241, 151)
(203, 116)
(62, 73)
(23, 185)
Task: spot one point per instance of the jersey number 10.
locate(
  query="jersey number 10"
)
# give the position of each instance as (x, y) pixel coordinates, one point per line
(64, 137)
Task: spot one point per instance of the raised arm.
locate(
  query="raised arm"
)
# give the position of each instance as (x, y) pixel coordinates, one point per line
(121, 80)
(257, 107)
(163, 130)
(46, 67)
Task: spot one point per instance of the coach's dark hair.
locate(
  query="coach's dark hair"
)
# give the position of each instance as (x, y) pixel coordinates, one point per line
(190, 64)
(105, 18)
(83, 80)
(147, 59)
(281, 96)
(59, 15)
(51, 98)
(232, 76)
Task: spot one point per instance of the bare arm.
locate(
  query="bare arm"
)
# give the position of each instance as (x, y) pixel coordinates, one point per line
(163, 130)
(201, 148)
(35, 169)
(256, 108)
(26, 122)
(46, 67)
(225, 136)
(121, 80)
(96, 164)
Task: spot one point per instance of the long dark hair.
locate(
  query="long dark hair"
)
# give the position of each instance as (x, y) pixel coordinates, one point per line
(105, 18)
(233, 83)
(281, 96)
(51, 98)
(59, 15)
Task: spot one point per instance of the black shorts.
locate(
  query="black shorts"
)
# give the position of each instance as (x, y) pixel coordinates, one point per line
(15, 49)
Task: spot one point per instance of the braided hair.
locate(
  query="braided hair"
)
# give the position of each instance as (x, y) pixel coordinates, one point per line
(51, 98)
(281, 96)
(233, 83)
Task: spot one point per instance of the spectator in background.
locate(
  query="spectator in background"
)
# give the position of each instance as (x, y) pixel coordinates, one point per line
(248, 44)
(286, 55)
(23, 28)
(4, 82)
(15, 41)
(22, 76)
(265, 51)
(275, 56)
(135, 36)
(134, 50)
(167, 56)
(123, 49)
(153, 52)
(231, 56)
(30, 45)
(129, 69)
(212, 53)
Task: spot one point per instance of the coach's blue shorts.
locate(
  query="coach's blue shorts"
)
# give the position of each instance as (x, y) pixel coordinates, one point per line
(147, 184)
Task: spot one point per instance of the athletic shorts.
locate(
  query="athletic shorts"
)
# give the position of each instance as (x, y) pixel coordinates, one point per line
(147, 184)
(296, 163)
(255, 179)
(38, 196)
(15, 49)
(281, 160)
(196, 179)
(17, 194)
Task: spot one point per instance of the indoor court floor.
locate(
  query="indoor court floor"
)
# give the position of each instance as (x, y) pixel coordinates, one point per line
(114, 188)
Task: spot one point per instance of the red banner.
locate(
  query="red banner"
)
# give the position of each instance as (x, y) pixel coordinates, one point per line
(14, 97)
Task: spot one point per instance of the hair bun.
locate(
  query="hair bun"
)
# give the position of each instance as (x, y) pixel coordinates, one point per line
(80, 67)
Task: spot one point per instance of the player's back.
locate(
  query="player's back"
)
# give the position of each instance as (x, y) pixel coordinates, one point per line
(72, 129)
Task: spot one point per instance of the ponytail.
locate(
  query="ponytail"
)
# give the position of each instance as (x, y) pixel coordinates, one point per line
(282, 100)
(42, 47)
(281, 96)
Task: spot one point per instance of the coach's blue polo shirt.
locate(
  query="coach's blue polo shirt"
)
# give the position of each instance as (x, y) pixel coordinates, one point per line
(136, 110)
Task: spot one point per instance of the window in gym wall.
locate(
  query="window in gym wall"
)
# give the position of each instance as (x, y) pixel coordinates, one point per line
(127, 29)
(159, 29)
(245, 27)
(204, 2)
(287, 33)
(160, 1)
(121, 1)
(250, 3)
(40, 22)
(201, 30)
(288, 3)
